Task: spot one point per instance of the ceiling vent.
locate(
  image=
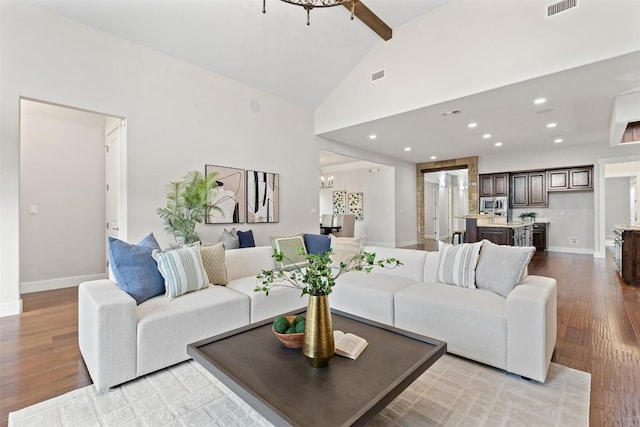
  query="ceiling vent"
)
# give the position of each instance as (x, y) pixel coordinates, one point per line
(378, 75)
(560, 6)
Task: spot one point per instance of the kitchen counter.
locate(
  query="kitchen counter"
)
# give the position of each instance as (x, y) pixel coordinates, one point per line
(628, 227)
(507, 224)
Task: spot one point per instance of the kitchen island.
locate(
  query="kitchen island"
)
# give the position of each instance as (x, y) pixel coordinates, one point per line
(498, 230)
(626, 253)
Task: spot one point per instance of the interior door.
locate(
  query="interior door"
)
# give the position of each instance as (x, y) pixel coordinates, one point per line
(113, 135)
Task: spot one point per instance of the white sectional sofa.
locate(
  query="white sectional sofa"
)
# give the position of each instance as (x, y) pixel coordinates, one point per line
(120, 340)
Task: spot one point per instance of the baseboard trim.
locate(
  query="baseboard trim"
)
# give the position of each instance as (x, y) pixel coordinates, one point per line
(580, 251)
(10, 308)
(406, 243)
(382, 244)
(63, 282)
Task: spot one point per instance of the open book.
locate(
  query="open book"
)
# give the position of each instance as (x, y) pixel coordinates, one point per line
(349, 345)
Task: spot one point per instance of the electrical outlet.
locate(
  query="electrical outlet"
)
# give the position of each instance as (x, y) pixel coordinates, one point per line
(573, 240)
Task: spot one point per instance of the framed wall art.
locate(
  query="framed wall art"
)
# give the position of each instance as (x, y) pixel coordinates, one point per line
(339, 202)
(355, 205)
(229, 196)
(263, 196)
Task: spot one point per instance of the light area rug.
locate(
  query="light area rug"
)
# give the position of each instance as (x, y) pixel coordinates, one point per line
(453, 392)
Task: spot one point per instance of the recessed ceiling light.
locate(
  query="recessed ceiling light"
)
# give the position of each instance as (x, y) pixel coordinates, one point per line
(373, 136)
(498, 144)
(539, 101)
(472, 124)
(433, 157)
(407, 148)
(486, 136)
(558, 140)
(551, 125)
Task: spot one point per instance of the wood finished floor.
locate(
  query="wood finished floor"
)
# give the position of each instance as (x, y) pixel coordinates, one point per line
(598, 332)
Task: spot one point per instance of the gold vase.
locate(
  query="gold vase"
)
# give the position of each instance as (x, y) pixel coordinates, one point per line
(318, 345)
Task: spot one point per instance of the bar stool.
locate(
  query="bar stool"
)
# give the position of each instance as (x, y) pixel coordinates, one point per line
(459, 234)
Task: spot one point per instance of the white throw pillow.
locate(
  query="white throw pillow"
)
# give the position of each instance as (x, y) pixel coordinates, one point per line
(345, 248)
(290, 248)
(501, 268)
(182, 270)
(457, 264)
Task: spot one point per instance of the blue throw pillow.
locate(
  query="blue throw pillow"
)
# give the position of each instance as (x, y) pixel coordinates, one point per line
(246, 239)
(317, 243)
(134, 269)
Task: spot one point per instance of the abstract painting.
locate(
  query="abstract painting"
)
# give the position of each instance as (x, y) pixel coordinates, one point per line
(229, 196)
(355, 205)
(339, 202)
(263, 194)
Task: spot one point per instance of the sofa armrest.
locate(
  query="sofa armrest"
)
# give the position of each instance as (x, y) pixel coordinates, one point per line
(531, 311)
(107, 323)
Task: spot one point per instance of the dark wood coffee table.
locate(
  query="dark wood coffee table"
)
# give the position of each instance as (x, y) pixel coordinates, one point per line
(280, 384)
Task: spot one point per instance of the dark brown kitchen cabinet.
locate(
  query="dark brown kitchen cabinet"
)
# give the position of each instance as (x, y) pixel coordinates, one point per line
(497, 235)
(496, 184)
(528, 189)
(570, 179)
(540, 236)
(627, 248)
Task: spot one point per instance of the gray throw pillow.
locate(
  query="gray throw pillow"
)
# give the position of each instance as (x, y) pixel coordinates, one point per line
(230, 239)
(501, 268)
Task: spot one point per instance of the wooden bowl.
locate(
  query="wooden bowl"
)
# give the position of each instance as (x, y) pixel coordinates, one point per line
(290, 340)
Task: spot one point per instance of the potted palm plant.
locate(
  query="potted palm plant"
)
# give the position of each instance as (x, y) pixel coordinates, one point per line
(188, 203)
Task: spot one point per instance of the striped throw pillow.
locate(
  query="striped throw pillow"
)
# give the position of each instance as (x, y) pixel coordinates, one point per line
(457, 265)
(182, 270)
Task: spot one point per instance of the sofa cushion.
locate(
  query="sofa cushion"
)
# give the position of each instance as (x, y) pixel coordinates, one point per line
(134, 269)
(165, 328)
(248, 261)
(182, 270)
(291, 247)
(230, 239)
(344, 249)
(280, 300)
(412, 261)
(457, 264)
(368, 295)
(317, 243)
(246, 239)
(471, 321)
(500, 267)
(213, 262)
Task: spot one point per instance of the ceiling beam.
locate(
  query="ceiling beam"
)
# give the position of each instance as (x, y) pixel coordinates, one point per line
(370, 19)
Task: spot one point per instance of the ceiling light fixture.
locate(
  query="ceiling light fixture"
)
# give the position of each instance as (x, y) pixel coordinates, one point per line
(551, 125)
(328, 183)
(472, 125)
(539, 101)
(433, 157)
(558, 140)
(486, 136)
(407, 148)
(373, 136)
(498, 144)
(310, 4)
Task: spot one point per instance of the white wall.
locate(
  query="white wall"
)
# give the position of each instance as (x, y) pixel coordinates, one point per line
(378, 198)
(465, 47)
(402, 211)
(180, 117)
(617, 203)
(63, 174)
(571, 214)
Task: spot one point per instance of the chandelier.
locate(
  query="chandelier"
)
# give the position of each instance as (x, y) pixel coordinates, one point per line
(325, 183)
(310, 4)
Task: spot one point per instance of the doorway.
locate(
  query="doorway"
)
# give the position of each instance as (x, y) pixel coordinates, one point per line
(63, 203)
(446, 204)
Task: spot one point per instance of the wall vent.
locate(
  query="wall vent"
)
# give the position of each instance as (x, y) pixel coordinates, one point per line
(378, 75)
(560, 6)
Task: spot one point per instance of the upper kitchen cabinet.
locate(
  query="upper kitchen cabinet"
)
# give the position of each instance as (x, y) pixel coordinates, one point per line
(571, 179)
(496, 184)
(528, 189)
